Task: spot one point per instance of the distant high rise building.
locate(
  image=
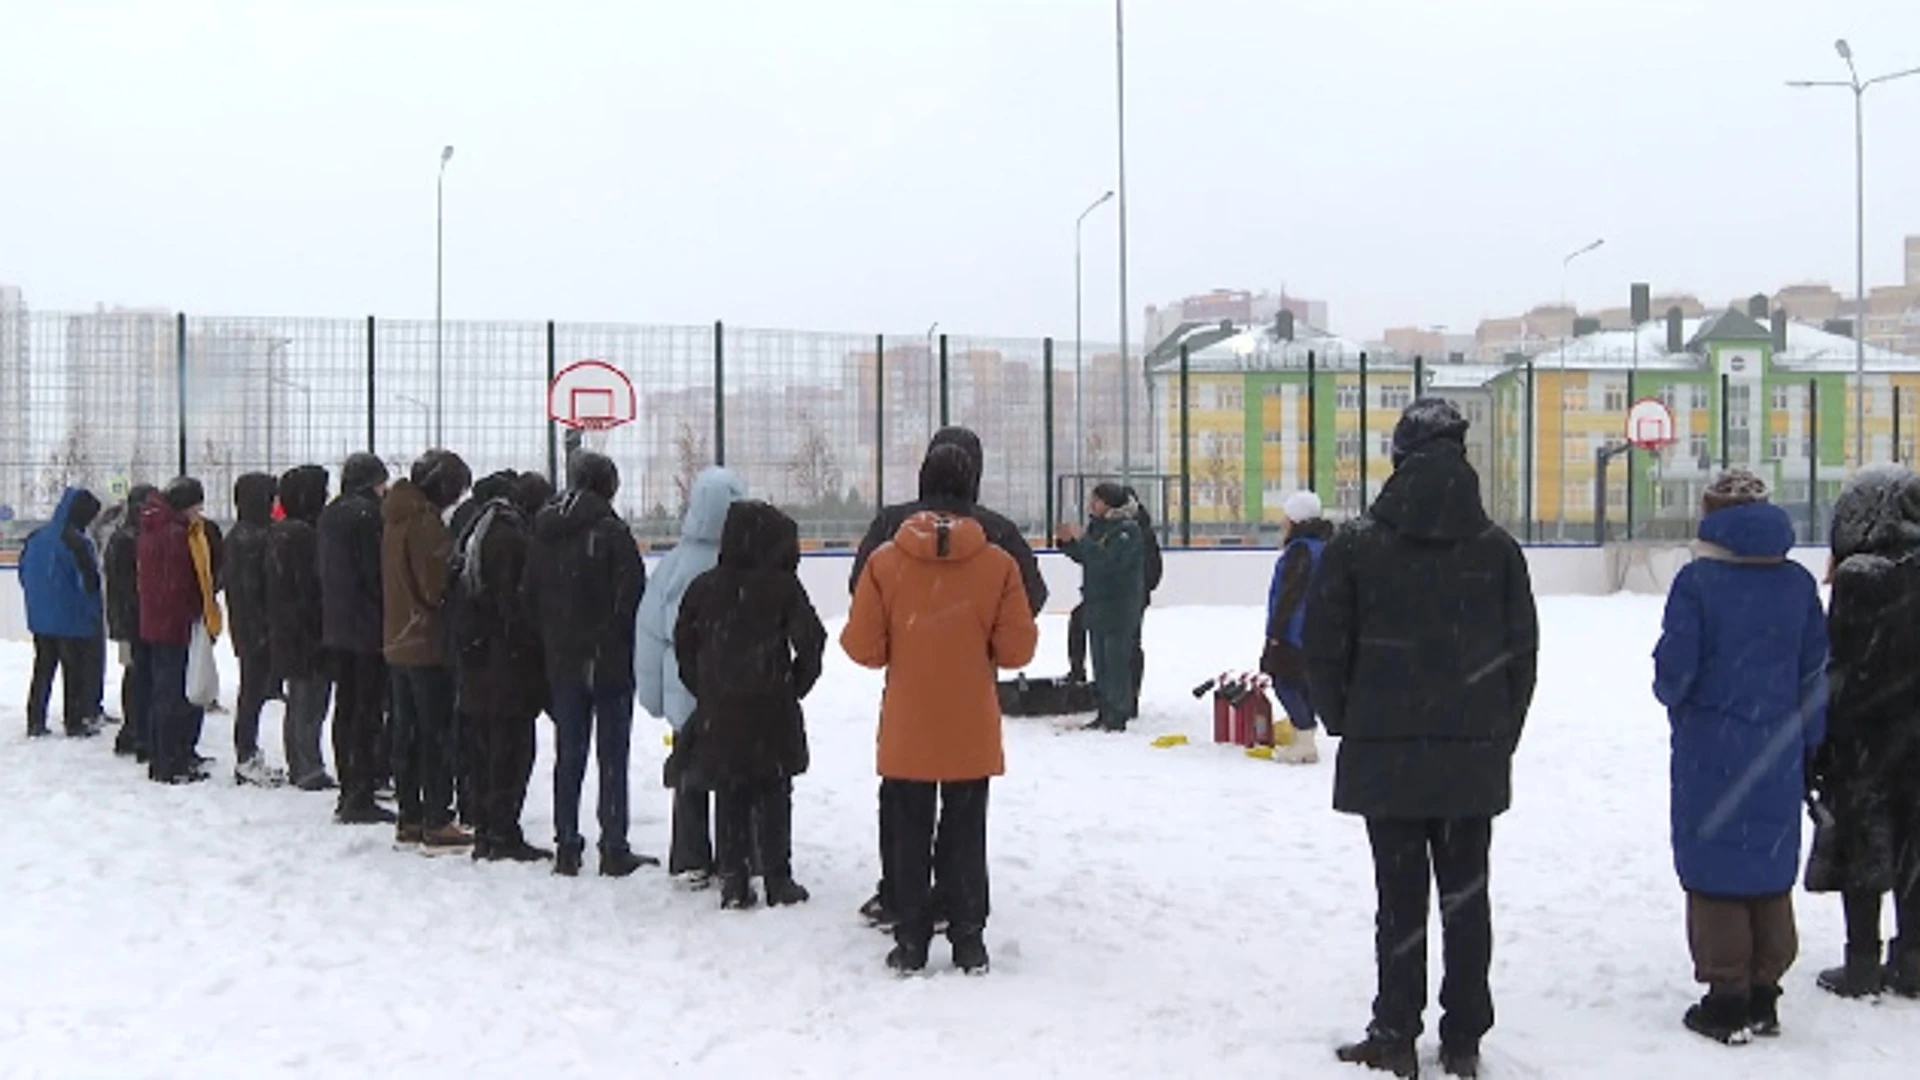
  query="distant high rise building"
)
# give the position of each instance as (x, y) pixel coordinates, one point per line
(1240, 306)
(1913, 260)
(16, 419)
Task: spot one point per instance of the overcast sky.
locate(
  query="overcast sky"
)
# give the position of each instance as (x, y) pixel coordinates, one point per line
(880, 164)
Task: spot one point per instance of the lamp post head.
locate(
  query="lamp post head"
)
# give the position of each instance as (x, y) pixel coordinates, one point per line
(1845, 50)
(1108, 197)
(446, 155)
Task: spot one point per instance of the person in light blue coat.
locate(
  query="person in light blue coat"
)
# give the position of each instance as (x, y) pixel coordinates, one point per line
(656, 674)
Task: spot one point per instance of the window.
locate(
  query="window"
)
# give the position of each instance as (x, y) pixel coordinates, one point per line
(1574, 399)
(1346, 496)
(1671, 495)
(1233, 398)
(1346, 396)
(1386, 446)
(1396, 397)
(1697, 447)
(1616, 399)
(1697, 398)
(1669, 396)
(1739, 407)
(1346, 445)
(1782, 400)
(1271, 390)
(1777, 446)
(1577, 496)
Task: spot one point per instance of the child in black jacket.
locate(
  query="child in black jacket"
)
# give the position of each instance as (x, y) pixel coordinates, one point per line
(749, 646)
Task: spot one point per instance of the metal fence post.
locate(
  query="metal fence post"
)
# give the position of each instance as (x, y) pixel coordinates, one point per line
(1726, 423)
(179, 386)
(1419, 376)
(1813, 459)
(1046, 421)
(553, 429)
(371, 446)
(1313, 424)
(879, 421)
(1896, 424)
(1186, 452)
(1527, 457)
(719, 393)
(1632, 466)
(1363, 433)
(944, 414)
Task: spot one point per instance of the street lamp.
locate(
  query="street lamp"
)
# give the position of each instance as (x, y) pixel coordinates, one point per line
(439, 281)
(1079, 394)
(277, 345)
(1854, 83)
(306, 392)
(1126, 372)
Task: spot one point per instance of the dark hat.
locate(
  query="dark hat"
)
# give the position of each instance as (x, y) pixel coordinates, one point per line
(529, 492)
(1427, 420)
(1735, 487)
(969, 443)
(947, 473)
(303, 492)
(1111, 494)
(442, 477)
(495, 485)
(595, 472)
(138, 494)
(363, 471)
(185, 493)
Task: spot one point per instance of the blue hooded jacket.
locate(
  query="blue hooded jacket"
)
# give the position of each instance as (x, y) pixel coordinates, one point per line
(60, 572)
(1741, 668)
(656, 674)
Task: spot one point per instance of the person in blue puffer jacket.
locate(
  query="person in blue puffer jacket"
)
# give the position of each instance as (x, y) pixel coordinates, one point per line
(60, 574)
(1284, 660)
(656, 673)
(1741, 668)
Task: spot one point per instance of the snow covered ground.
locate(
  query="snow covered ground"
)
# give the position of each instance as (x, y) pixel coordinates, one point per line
(1157, 913)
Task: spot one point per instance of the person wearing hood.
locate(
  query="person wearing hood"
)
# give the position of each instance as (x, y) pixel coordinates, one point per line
(502, 677)
(657, 681)
(176, 570)
(1284, 660)
(1112, 554)
(1741, 669)
(940, 608)
(60, 574)
(1422, 643)
(747, 635)
(414, 553)
(583, 586)
(1867, 767)
(488, 489)
(123, 624)
(963, 500)
(347, 547)
(245, 552)
(294, 626)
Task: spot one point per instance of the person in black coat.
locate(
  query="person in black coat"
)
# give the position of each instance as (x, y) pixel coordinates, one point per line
(487, 489)
(1422, 642)
(1868, 771)
(748, 636)
(294, 624)
(121, 563)
(582, 586)
(501, 673)
(351, 628)
(1001, 533)
(245, 562)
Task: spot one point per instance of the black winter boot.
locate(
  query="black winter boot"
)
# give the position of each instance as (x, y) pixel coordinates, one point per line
(878, 914)
(1383, 1054)
(567, 862)
(736, 893)
(908, 958)
(1861, 976)
(970, 953)
(785, 892)
(1763, 1011)
(1460, 1060)
(1720, 1016)
(1903, 970)
(623, 863)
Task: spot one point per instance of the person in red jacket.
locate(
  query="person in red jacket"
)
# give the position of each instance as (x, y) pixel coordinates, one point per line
(173, 596)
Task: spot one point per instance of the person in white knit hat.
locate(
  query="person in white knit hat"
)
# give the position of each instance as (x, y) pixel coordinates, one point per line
(1284, 660)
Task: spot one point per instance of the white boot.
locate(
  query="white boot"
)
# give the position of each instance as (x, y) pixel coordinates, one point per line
(1300, 751)
(256, 772)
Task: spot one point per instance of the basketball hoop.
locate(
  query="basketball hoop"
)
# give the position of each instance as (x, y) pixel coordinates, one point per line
(591, 396)
(1650, 425)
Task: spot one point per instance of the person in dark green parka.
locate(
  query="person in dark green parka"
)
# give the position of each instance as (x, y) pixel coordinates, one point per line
(1112, 554)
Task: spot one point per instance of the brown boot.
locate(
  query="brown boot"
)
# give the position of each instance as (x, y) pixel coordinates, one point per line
(447, 836)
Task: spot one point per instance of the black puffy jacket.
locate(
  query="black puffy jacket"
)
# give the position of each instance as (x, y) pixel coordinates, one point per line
(293, 575)
(122, 566)
(582, 586)
(245, 554)
(352, 618)
(1422, 642)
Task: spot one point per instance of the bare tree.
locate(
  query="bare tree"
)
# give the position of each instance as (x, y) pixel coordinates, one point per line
(1221, 474)
(813, 469)
(690, 456)
(71, 464)
(217, 459)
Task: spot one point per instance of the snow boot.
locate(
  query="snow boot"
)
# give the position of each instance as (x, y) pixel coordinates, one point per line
(124, 744)
(736, 893)
(970, 953)
(1382, 1054)
(1460, 1060)
(445, 838)
(1301, 751)
(878, 914)
(190, 776)
(367, 813)
(37, 731)
(907, 958)
(1763, 1012)
(1903, 970)
(1720, 1016)
(83, 729)
(408, 832)
(517, 851)
(257, 772)
(1860, 977)
(319, 781)
(785, 892)
(567, 862)
(623, 863)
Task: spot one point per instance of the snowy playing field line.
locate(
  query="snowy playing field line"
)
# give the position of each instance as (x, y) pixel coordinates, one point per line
(1157, 913)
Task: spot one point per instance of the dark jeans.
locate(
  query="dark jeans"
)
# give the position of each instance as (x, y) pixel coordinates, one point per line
(256, 681)
(423, 744)
(466, 759)
(600, 716)
(1407, 856)
(306, 701)
(1297, 699)
(136, 692)
(692, 848)
(1862, 911)
(498, 771)
(753, 829)
(74, 658)
(96, 686)
(956, 865)
(361, 679)
(171, 717)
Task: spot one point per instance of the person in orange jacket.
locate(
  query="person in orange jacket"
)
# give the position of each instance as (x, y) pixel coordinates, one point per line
(940, 608)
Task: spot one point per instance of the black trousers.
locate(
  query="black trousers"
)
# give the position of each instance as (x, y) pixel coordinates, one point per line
(753, 829)
(423, 744)
(171, 718)
(136, 690)
(75, 659)
(466, 760)
(256, 682)
(956, 866)
(498, 772)
(360, 695)
(1407, 857)
(1077, 652)
(889, 819)
(692, 848)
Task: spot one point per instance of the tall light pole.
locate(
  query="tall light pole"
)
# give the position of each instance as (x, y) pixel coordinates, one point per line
(1564, 335)
(439, 281)
(1854, 83)
(1079, 393)
(1126, 367)
(933, 381)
